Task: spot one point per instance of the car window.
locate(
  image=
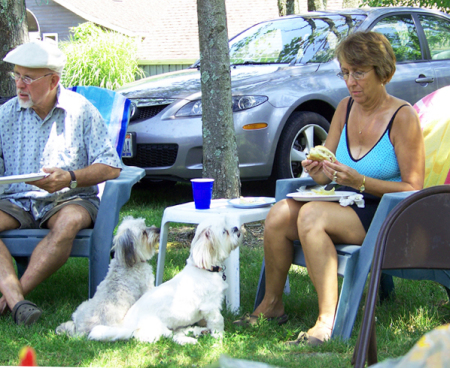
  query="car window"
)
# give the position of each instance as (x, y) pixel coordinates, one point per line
(402, 34)
(301, 39)
(437, 33)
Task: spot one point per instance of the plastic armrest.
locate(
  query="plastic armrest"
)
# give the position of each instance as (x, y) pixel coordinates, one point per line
(285, 186)
(115, 195)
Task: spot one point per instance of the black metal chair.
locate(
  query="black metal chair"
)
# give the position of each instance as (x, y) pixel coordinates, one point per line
(413, 243)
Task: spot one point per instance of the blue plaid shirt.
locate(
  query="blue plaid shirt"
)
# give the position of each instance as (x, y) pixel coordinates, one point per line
(72, 136)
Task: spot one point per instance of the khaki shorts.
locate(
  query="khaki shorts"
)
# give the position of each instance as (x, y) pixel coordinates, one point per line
(27, 221)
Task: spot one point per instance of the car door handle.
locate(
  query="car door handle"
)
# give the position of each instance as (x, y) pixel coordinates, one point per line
(423, 79)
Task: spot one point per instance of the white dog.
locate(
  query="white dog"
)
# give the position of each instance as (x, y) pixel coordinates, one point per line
(196, 293)
(129, 277)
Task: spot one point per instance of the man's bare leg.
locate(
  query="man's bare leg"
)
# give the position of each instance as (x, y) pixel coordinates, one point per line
(49, 255)
(10, 286)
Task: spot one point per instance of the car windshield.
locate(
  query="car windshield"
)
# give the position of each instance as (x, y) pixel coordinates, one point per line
(305, 39)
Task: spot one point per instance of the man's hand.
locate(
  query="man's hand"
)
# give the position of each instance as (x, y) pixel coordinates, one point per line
(57, 180)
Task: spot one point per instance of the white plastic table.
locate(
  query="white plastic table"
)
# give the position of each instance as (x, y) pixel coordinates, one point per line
(186, 213)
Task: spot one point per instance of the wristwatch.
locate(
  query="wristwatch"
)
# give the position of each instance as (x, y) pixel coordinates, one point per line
(73, 181)
(362, 188)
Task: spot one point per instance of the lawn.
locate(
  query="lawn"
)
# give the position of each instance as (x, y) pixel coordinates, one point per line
(419, 307)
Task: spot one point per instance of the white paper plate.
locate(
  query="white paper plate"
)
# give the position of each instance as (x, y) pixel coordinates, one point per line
(21, 178)
(307, 196)
(251, 202)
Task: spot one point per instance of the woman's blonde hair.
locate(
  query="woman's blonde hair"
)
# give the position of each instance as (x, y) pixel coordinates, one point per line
(364, 49)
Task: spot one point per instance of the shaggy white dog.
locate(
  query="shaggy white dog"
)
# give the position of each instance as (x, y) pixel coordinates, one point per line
(129, 277)
(196, 293)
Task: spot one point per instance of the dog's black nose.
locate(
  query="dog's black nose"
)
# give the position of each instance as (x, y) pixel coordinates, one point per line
(235, 229)
(154, 228)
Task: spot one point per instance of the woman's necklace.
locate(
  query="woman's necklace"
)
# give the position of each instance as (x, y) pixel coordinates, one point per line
(364, 127)
(360, 130)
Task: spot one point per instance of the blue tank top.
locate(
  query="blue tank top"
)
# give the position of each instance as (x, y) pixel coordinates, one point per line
(380, 162)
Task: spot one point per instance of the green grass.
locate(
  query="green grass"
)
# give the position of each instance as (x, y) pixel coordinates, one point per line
(416, 310)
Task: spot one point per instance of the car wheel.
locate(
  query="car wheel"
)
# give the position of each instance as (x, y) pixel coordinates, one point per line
(302, 131)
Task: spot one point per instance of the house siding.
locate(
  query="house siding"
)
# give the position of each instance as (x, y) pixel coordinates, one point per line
(150, 70)
(53, 18)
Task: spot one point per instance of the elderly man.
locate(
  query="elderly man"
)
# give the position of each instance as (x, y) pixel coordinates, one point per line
(50, 130)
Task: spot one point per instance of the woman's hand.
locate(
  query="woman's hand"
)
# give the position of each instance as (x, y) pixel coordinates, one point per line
(312, 167)
(342, 174)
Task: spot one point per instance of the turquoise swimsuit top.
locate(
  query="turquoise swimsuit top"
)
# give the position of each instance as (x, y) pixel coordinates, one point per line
(379, 163)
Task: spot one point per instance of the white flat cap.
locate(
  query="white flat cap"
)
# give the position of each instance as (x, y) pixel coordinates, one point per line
(37, 54)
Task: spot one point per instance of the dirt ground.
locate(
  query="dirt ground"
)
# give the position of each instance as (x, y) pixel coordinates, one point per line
(182, 236)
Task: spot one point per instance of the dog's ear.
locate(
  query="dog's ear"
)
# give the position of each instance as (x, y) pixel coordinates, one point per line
(124, 247)
(203, 249)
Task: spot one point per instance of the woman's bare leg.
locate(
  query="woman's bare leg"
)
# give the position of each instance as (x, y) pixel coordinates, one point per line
(320, 226)
(279, 233)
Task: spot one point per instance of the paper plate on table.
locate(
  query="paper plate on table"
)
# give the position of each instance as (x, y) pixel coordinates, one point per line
(251, 202)
(308, 195)
(21, 178)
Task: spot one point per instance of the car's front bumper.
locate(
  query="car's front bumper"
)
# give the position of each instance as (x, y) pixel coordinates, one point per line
(171, 148)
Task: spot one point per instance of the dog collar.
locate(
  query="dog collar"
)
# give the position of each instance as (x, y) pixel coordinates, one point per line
(217, 269)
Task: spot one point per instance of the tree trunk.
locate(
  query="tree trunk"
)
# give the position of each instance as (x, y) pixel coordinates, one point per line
(350, 3)
(288, 7)
(14, 32)
(314, 5)
(220, 160)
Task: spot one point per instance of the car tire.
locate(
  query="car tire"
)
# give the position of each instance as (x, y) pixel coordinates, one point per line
(303, 130)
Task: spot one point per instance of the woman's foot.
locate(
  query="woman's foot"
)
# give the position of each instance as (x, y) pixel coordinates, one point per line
(271, 312)
(316, 335)
(320, 333)
(252, 319)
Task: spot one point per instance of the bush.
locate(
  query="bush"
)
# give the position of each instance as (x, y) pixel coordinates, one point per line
(96, 57)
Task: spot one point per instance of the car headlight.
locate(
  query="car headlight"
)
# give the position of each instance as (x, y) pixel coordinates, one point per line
(239, 103)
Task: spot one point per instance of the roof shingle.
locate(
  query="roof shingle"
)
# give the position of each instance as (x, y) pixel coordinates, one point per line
(169, 27)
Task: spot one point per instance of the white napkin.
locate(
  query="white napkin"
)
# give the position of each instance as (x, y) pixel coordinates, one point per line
(355, 198)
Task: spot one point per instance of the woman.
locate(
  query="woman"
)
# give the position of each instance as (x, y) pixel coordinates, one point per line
(379, 148)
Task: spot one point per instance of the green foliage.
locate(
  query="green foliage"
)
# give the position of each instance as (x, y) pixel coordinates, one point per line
(442, 5)
(96, 57)
(85, 32)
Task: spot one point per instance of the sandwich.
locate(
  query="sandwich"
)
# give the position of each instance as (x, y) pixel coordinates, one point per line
(321, 153)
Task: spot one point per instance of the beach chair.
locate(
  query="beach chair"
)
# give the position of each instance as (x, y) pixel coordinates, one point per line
(95, 244)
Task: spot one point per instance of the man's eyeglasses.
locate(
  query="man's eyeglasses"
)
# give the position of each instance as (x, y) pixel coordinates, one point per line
(26, 80)
(355, 75)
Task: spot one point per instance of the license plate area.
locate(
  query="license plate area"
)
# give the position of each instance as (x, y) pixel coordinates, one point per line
(129, 146)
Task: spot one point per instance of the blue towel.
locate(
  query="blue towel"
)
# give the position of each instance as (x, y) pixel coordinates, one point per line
(114, 108)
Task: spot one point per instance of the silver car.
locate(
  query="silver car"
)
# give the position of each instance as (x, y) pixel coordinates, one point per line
(285, 90)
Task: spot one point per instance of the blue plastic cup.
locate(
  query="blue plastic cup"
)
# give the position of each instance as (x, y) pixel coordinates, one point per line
(202, 189)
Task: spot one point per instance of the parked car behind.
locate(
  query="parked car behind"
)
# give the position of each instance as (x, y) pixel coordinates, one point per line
(285, 90)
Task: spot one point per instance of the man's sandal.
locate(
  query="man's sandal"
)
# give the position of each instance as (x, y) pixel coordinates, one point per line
(26, 313)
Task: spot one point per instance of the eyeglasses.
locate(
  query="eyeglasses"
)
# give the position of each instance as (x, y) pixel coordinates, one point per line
(355, 75)
(26, 80)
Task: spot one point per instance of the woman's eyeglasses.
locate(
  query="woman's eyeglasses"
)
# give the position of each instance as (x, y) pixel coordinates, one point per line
(355, 75)
(26, 80)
